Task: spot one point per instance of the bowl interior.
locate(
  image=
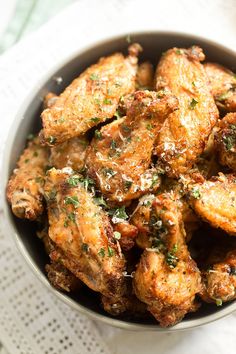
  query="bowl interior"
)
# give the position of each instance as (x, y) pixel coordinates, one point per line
(28, 121)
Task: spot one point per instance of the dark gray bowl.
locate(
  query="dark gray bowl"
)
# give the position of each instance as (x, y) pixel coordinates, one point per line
(27, 121)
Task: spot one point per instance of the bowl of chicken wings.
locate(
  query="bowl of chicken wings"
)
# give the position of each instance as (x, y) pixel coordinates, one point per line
(120, 181)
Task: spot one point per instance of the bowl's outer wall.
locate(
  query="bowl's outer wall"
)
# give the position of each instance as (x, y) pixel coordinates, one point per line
(28, 121)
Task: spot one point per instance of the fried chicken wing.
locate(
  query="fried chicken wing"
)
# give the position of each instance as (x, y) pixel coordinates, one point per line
(219, 280)
(119, 156)
(145, 76)
(83, 235)
(25, 187)
(225, 141)
(215, 202)
(223, 86)
(184, 134)
(91, 98)
(167, 279)
(71, 153)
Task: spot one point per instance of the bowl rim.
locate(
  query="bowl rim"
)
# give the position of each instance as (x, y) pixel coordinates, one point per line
(7, 216)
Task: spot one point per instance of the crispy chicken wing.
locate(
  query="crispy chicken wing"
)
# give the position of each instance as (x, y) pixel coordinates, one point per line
(24, 189)
(185, 132)
(222, 85)
(145, 76)
(225, 141)
(91, 98)
(167, 279)
(83, 235)
(219, 280)
(71, 153)
(119, 156)
(215, 202)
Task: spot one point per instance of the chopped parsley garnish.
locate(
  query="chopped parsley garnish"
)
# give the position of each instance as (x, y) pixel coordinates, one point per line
(118, 214)
(98, 134)
(158, 245)
(155, 180)
(193, 83)
(110, 251)
(26, 160)
(35, 154)
(126, 128)
(117, 114)
(39, 180)
(72, 200)
(88, 183)
(30, 137)
(229, 141)
(218, 302)
(196, 193)
(95, 120)
(193, 103)
(94, 77)
(223, 96)
(117, 235)
(61, 120)
(108, 172)
(51, 140)
(149, 126)
(107, 101)
(71, 217)
(179, 51)
(51, 195)
(128, 185)
(101, 253)
(85, 247)
(113, 145)
(171, 258)
(100, 201)
(73, 181)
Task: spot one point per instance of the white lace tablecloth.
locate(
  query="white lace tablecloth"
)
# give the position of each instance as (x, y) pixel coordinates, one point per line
(32, 320)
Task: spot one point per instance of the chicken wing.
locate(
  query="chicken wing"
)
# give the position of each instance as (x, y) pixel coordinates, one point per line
(91, 98)
(167, 279)
(219, 280)
(71, 153)
(185, 132)
(119, 156)
(215, 202)
(222, 85)
(25, 187)
(83, 235)
(145, 76)
(225, 141)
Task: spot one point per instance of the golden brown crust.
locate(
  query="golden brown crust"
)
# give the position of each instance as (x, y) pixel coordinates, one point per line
(145, 76)
(184, 134)
(215, 202)
(225, 141)
(223, 86)
(90, 99)
(25, 187)
(119, 159)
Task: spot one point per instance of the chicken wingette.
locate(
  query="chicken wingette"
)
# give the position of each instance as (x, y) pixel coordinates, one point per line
(91, 98)
(25, 187)
(215, 202)
(167, 279)
(184, 134)
(119, 157)
(223, 86)
(83, 234)
(225, 141)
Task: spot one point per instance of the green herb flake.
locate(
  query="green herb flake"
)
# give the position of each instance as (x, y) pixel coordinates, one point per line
(101, 253)
(117, 114)
(71, 217)
(149, 126)
(223, 96)
(51, 140)
(218, 302)
(193, 104)
(126, 128)
(110, 251)
(155, 180)
(128, 185)
(171, 258)
(196, 193)
(193, 83)
(118, 214)
(66, 223)
(39, 180)
(108, 172)
(35, 154)
(179, 51)
(100, 201)
(51, 195)
(107, 101)
(94, 77)
(229, 142)
(95, 120)
(117, 235)
(30, 137)
(72, 200)
(74, 180)
(98, 134)
(87, 183)
(113, 145)
(85, 247)
(26, 160)
(61, 120)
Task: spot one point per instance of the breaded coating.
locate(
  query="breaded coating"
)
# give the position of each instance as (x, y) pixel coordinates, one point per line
(83, 234)
(215, 202)
(223, 86)
(91, 98)
(25, 187)
(184, 134)
(126, 233)
(119, 157)
(225, 141)
(167, 279)
(49, 100)
(219, 280)
(145, 76)
(71, 153)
